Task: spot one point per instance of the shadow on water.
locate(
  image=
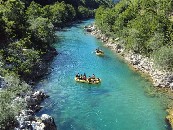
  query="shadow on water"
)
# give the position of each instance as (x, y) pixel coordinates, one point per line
(99, 91)
(94, 89)
(88, 86)
(70, 124)
(168, 127)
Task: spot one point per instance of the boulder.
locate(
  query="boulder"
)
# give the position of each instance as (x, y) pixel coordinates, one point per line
(30, 101)
(171, 86)
(170, 78)
(88, 29)
(48, 122)
(2, 83)
(169, 118)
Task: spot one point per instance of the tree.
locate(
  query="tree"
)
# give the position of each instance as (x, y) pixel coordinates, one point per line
(13, 19)
(84, 12)
(61, 13)
(164, 58)
(143, 25)
(9, 107)
(33, 11)
(42, 32)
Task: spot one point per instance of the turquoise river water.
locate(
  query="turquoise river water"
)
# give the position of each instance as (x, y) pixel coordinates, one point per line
(118, 103)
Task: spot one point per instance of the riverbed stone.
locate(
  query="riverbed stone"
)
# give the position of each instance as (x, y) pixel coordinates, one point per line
(48, 121)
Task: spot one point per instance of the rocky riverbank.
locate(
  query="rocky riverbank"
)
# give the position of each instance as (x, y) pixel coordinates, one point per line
(26, 120)
(30, 100)
(139, 62)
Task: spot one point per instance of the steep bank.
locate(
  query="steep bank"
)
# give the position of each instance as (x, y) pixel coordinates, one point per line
(27, 119)
(139, 62)
(24, 99)
(41, 68)
(19, 103)
(33, 99)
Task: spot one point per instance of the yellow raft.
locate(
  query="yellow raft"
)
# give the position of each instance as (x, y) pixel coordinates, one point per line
(89, 81)
(100, 53)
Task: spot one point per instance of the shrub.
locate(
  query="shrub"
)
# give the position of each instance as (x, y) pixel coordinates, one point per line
(163, 58)
(9, 107)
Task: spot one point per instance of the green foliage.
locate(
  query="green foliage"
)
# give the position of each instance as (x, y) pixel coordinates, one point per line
(59, 13)
(75, 3)
(7, 113)
(41, 31)
(71, 13)
(15, 86)
(144, 32)
(9, 107)
(164, 58)
(12, 13)
(19, 59)
(144, 26)
(107, 15)
(27, 29)
(33, 11)
(84, 12)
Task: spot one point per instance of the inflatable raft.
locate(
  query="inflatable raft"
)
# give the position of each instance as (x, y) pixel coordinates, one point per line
(89, 81)
(100, 53)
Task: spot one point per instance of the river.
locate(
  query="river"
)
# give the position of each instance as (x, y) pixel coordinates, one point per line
(118, 103)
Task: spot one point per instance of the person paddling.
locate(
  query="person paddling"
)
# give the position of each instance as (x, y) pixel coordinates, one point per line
(84, 76)
(77, 75)
(93, 76)
(89, 79)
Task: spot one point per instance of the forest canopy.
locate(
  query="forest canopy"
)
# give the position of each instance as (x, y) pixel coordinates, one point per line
(145, 26)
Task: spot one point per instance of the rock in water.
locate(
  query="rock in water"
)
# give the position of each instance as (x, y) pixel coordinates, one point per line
(48, 122)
